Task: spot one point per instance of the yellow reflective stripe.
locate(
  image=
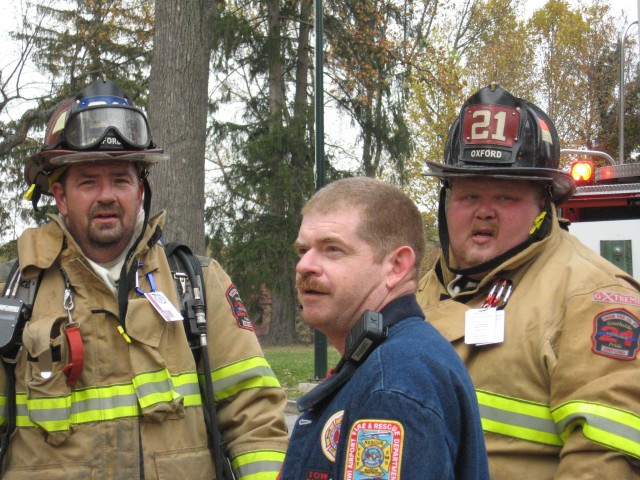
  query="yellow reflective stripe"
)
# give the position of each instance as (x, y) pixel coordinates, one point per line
(106, 403)
(187, 385)
(258, 465)
(613, 428)
(253, 372)
(3, 409)
(517, 418)
(154, 387)
(52, 414)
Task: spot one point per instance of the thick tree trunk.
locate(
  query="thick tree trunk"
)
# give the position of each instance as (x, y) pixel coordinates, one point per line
(178, 114)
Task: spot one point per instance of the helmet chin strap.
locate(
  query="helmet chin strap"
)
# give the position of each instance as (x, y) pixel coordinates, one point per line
(127, 278)
(540, 229)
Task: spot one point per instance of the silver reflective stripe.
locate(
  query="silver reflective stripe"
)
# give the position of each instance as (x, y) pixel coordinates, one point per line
(237, 378)
(82, 406)
(259, 467)
(602, 423)
(162, 387)
(518, 419)
(188, 389)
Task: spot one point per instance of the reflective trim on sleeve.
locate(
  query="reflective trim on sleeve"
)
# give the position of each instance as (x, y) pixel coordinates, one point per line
(610, 427)
(258, 465)
(253, 372)
(517, 418)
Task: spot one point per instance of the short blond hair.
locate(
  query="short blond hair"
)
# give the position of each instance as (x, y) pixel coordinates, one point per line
(390, 219)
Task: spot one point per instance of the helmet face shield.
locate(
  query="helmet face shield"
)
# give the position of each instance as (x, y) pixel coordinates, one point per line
(107, 127)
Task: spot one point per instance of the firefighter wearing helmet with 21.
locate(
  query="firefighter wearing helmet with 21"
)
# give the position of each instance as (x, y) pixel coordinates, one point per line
(548, 329)
(106, 384)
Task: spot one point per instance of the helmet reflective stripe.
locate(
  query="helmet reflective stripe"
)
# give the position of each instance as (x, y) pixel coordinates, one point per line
(260, 462)
(59, 123)
(253, 372)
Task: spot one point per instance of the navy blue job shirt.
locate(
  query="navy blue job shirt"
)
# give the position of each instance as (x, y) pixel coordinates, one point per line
(408, 412)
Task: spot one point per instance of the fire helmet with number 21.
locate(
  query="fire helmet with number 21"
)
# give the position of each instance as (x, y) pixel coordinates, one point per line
(502, 136)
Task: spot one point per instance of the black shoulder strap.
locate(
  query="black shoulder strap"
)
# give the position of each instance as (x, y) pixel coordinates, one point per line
(24, 292)
(187, 274)
(186, 269)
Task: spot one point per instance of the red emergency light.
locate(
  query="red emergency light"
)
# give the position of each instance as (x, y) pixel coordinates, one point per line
(583, 172)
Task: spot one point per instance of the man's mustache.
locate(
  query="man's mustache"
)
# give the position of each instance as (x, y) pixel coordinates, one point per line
(310, 283)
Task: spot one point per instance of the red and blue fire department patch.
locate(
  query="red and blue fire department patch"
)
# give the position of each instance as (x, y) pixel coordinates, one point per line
(330, 435)
(374, 450)
(616, 334)
(238, 309)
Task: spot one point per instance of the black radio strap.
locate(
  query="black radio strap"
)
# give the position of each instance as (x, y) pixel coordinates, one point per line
(24, 290)
(394, 312)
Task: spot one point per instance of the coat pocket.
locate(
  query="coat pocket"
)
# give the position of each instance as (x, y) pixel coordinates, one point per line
(191, 463)
(158, 397)
(48, 400)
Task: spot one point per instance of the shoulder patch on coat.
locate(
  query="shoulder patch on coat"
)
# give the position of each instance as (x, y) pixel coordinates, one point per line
(330, 435)
(616, 334)
(238, 309)
(374, 450)
(615, 297)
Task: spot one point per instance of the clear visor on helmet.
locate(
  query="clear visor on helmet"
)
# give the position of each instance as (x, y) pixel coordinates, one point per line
(89, 128)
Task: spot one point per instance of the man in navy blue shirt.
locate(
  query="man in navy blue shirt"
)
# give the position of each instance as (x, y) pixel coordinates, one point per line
(399, 404)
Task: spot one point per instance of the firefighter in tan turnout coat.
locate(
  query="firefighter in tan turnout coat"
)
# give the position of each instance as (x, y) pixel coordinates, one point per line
(549, 331)
(132, 406)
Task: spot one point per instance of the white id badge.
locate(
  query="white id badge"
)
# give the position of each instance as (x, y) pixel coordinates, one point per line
(483, 326)
(164, 307)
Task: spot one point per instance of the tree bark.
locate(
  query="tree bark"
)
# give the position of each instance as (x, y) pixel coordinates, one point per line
(178, 103)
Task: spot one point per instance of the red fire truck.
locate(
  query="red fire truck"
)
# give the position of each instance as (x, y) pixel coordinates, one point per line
(605, 210)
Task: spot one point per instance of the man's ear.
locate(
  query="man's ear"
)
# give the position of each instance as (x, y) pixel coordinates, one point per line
(401, 265)
(140, 194)
(61, 199)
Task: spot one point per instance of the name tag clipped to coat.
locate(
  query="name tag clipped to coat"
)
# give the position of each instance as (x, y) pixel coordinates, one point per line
(485, 326)
(158, 300)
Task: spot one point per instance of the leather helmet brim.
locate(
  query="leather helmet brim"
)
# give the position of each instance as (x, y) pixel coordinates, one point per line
(563, 185)
(37, 170)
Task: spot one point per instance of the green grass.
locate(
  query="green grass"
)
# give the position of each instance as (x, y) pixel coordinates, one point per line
(294, 364)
